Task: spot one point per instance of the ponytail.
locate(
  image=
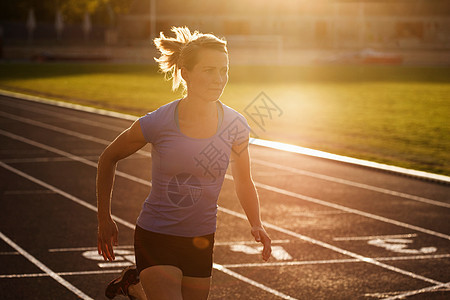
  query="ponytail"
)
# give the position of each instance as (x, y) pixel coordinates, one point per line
(181, 51)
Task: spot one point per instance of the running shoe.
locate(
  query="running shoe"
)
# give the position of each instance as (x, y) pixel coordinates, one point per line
(119, 286)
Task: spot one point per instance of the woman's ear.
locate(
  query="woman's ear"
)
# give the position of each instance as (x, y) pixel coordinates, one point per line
(185, 74)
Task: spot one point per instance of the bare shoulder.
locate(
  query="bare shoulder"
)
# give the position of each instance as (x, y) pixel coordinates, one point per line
(127, 143)
(134, 133)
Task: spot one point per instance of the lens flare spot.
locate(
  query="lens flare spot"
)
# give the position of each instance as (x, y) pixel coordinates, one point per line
(200, 242)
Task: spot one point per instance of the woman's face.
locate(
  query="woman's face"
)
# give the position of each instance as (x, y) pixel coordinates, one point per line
(209, 76)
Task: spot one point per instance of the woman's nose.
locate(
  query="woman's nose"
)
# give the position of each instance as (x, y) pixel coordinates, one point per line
(219, 77)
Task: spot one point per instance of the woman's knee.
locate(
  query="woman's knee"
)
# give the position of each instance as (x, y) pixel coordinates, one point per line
(162, 282)
(195, 288)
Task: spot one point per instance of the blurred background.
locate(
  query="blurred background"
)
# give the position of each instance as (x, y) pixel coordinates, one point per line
(288, 31)
(362, 78)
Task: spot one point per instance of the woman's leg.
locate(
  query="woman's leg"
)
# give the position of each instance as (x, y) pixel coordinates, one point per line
(195, 288)
(137, 291)
(162, 282)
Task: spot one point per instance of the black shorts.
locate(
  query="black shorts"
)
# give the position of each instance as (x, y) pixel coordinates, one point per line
(192, 255)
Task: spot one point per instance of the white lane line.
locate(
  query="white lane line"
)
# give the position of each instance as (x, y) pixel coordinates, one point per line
(293, 263)
(64, 131)
(216, 266)
(333, 261)
(62, 193)
(77, 249)
(421, 291)
(264, 143)
(249, 243)
(384, 295)
(43, 159)
(44, 268)
(350, 183)
(349, 160)
(131, 246)
(285, 263)
(55, 128)
(69, 105)
(415, 257)
(286, 231)
(249, 265)
(70, 156)
(366, 238)
(252, 282)
(316, 213)
(241, 216)
(117, 219)
(65, 117)
(258, 161)
(130, 118)
(116, 264)
(229, 177)
(29, 192)
(34, 275)
(334, 248)
(346, 209)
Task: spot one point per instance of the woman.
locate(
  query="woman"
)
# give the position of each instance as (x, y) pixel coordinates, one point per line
(193, 140)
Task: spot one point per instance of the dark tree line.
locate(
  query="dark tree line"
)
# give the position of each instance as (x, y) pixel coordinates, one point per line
(102, 11)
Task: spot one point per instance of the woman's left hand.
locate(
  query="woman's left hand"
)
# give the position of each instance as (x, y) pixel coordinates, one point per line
(261, 236)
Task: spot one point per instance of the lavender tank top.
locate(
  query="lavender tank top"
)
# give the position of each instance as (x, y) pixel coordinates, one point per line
(187, 173)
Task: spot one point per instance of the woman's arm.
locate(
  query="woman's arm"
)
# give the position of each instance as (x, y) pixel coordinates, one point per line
(127, 143)
(248, 196)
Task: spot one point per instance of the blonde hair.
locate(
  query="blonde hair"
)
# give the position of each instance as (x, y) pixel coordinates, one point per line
(181, 51)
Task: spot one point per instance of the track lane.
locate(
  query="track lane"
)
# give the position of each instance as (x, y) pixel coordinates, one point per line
(334, 193)
(125, 165)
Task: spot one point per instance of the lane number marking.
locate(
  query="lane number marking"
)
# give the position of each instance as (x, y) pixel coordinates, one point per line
(278, 252)
(124, 258)
(400, 246)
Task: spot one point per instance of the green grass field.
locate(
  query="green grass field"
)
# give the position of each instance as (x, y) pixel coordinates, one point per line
(388, 114)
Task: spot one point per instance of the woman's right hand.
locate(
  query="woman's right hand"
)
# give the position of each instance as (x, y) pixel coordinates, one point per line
(127, 143)
(107, 238)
